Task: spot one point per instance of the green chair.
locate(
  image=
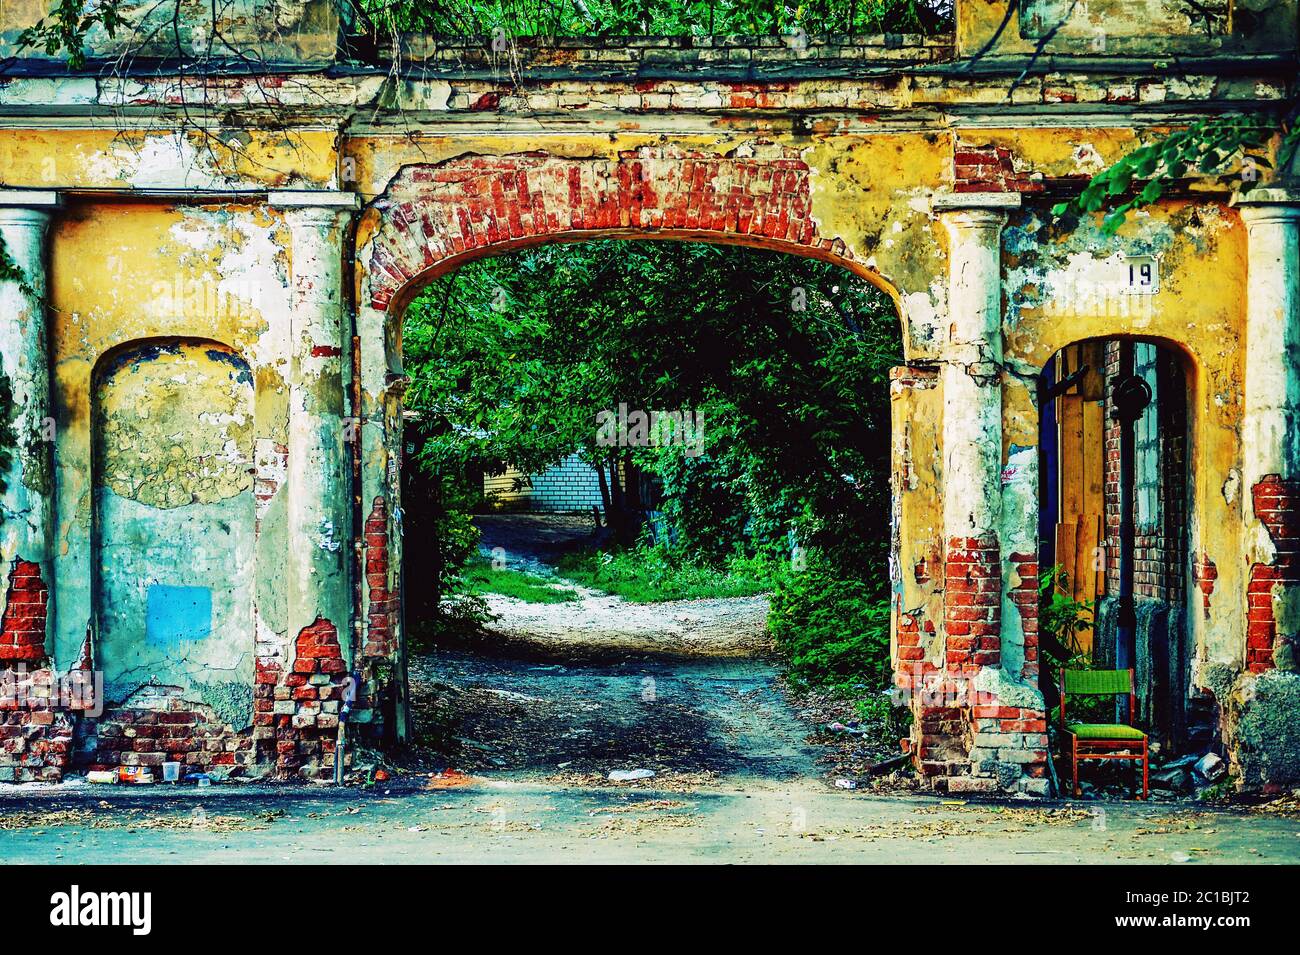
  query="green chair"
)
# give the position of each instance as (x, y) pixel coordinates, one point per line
(1103, 740)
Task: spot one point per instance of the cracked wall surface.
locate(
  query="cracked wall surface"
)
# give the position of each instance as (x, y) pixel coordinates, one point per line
(174, 522)
(171, 273)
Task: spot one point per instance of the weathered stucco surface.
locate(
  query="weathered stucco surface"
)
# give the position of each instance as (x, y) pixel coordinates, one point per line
(215, 274)
(174, 521)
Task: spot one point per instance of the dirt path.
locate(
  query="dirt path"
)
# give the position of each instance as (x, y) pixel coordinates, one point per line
(687, 721)
(599, 622)
(526, 822)
(534, 728)
(571, 692)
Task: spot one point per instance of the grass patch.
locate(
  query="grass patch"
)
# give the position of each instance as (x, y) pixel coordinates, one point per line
(651, 575)
(482, 578)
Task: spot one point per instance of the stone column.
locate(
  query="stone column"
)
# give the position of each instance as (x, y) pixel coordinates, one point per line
(1270, 428)
(994, 737)
(26, 504)
(318, 478)
(971, 377)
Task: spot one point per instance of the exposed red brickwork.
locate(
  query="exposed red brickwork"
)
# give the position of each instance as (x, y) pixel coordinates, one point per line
(435, 213)
(963, 740)
(748, 95)
(921, 572)
(955, 744)
(1159, 545)
(972, 603)
(265, 681)
(179, 731)
(22, 629)
(307, 703)
(1277, 506)
(383, 602)
(271, 463)
(35, 728)
(940, 750)
(1111, 468)
(1205, 574)
(1006, 736)
(989, 169)
(1025, 596)
(910, 651)
(973, 744)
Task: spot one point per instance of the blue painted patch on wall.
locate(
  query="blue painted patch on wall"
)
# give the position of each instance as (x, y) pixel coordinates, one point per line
(176, 615)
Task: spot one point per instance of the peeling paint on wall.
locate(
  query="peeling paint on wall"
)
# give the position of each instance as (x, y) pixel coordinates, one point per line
(174, 522)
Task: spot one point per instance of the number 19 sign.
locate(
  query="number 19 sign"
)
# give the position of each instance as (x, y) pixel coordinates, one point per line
(1141, 274)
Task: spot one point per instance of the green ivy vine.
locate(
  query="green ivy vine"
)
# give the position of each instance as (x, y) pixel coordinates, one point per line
(1226, 147)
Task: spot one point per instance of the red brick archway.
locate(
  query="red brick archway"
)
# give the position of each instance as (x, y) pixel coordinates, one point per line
(436, 217)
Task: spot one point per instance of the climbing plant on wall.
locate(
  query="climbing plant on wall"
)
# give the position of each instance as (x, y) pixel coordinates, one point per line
(64, 30)
(1231, 148)
(8, 436)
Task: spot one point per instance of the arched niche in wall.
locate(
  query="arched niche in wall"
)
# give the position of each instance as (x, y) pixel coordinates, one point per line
(174, 526)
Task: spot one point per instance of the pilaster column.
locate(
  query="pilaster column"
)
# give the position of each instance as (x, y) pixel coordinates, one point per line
(317, 479)
(26, 503)
(1270, 428)
(971, 377)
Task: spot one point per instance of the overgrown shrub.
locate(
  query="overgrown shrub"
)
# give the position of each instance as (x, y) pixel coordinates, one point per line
(649, 573)
(833, 626)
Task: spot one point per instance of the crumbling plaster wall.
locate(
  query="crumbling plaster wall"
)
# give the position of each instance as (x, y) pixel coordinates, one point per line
(869, 150)
(173, 524)
(1125, 27)
(136, 282)
(1049, 305)
(269, 31)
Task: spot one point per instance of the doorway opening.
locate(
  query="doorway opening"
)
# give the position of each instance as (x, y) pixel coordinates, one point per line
(1115, 483)
(646, 498)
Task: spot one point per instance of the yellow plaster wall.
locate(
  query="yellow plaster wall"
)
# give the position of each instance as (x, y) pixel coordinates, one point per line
(159, 157)
(130, 271)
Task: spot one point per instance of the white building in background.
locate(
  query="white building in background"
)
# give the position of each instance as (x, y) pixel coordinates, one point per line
(571, 485)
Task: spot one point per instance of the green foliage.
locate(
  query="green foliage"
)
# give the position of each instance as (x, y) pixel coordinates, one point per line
(481, 578)
(512, 358)
(884, 721)
(1060, 617)
(651, 573)
(785, 360)
(1060, 620)
(833, 628)
(63, 31)
(518, 18)
(1223, 146)
(9, 270)
(705, 503)
(8, 436)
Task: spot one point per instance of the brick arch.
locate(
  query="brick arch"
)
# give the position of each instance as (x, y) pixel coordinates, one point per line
(436, 217)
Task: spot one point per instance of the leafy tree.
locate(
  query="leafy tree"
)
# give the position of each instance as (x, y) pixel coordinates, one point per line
(785, 361)
(659, 17)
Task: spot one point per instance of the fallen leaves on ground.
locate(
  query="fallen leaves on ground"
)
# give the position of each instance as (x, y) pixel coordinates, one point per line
(133, 819)
(623, 825)
(1288, 805)
(663, 780)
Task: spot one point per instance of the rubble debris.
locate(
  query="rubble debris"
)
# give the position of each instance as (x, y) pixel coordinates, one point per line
(630, 775)
(1210, 768)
